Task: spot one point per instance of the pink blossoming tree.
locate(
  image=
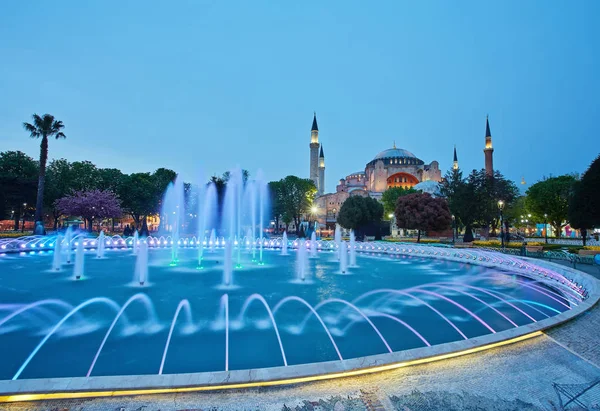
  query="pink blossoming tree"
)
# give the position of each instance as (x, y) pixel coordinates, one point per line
(90, 205)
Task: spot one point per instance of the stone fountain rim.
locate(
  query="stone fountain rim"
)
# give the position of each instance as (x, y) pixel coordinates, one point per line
(79, 387)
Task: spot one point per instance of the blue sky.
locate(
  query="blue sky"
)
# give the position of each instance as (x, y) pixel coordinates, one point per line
(208, 85)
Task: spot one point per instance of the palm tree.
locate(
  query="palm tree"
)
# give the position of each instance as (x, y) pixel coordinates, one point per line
(43, 127)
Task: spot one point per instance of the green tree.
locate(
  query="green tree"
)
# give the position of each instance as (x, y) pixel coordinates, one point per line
(357, 213)
(18, 174)
(584, 203)
(297, 195)
(551, 197)
(110, 179)
(58, 185)
(85, 176)
(390, 196)
(276, 201)
(422, 212)
(44, 127)
(138, 196)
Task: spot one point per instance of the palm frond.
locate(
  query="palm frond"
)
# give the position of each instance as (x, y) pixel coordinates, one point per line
(37, 120)
(48, 120)
(60, 134)
(57, 126)
(33, 131)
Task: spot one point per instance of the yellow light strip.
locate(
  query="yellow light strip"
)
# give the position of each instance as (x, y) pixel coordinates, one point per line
(362, 371)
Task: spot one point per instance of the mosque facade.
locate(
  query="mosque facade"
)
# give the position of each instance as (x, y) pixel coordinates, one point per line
(393, 167)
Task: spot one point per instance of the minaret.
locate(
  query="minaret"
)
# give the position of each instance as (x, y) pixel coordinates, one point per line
(455, 165)
(321, 186)
(314, 152)
(488, 150)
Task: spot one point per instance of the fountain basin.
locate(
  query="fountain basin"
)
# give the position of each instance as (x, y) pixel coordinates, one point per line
(373, 271)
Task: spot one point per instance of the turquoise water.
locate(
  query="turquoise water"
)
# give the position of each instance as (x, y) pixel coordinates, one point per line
(137, 344)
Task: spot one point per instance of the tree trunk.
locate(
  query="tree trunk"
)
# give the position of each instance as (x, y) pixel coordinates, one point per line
(55, 221)
(39, 204)
(418, 236)
(16, 222)
(468, 237)
(144, 231)
(584, 236)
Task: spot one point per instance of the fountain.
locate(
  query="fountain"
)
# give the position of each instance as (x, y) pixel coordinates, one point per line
(337, 237)
(313, 245)
(228, 264)
(379, 309)
(141, 264)
(343, 257)
(79, 256)
(212, 242)
(101, 245)
(136, 241)
(352, 249)
(68, 240)
(301, 261)
(57, 257)
(284, 244)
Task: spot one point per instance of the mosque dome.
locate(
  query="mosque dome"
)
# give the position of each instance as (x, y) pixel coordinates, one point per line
(394, 153)
(429, 186)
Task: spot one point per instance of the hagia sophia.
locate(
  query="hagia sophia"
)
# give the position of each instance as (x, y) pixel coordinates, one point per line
(394, 167)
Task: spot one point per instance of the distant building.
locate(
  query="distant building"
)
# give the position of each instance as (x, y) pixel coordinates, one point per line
(394, 167)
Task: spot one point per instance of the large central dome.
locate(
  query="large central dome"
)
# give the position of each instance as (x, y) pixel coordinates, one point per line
(394, 153)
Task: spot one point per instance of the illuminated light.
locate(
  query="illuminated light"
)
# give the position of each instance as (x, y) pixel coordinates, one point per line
(109, 242)
(122, 242)
(22, 245)
(51, 244)
(3, 247)
(289, 381)
(164, 243)
(32, 245)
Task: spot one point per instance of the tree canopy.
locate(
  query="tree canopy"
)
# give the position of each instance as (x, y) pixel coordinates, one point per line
(584, 203)
(18, 180)
(422, 212)
(91, 205)
(474, 200)
(390, 196)
(293, 197)
(551, 197)
(358, 212)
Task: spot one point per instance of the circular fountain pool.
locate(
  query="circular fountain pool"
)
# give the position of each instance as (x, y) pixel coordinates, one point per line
(185, 320)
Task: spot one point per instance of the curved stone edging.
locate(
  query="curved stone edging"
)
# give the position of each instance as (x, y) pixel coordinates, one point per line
(142, 384)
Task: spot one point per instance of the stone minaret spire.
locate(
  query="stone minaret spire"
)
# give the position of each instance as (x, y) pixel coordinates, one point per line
(488, 150)
(455, 164)
(314, 152)
(321, 186)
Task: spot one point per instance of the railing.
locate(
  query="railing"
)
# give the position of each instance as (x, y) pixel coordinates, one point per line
(558, 255)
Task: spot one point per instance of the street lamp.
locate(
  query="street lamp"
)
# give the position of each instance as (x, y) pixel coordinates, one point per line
(391, 217)
(24, 209)
(501, 207)
(546, 228)
(453, 228)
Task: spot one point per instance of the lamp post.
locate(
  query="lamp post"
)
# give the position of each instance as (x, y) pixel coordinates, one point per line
(453, 228)
(546, 228)
(24, 211)
(501, 207)
(391, 217)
